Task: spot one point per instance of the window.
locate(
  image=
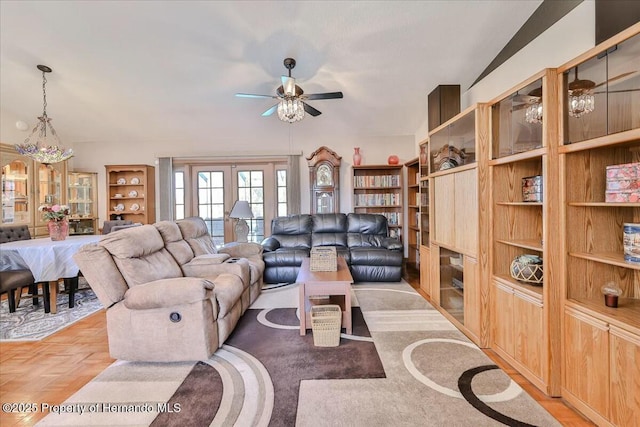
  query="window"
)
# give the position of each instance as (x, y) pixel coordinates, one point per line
(178, 184)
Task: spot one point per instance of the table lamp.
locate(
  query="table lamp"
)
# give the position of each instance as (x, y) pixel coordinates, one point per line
(241, 211)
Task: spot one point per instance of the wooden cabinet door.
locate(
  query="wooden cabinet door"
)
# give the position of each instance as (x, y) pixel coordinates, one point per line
(444, 209)
(425, 263)
(528, 323)
(624, 356)
(471, 296)
(503, 318)
(586, 360)
(466, 211)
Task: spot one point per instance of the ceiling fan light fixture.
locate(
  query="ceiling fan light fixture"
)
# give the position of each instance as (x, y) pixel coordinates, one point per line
(290, 109)
(533, 113)
(43, 144)
(581, 99)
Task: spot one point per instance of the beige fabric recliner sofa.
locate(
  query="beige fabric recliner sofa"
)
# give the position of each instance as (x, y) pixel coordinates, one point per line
(165, 303)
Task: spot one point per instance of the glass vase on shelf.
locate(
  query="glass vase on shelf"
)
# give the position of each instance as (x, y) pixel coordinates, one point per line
(58, 230)
(357, 157)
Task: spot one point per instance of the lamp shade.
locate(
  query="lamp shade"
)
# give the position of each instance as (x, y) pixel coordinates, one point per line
(241, 209)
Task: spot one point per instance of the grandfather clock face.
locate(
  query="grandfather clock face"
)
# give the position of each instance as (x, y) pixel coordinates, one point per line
(324, 167)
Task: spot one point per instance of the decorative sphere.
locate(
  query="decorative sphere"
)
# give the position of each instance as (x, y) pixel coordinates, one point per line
(393, 160)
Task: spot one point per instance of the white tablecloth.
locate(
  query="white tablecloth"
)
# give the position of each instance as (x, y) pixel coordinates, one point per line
(47, 260)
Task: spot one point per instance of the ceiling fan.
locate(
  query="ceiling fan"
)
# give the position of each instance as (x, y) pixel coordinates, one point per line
(291, 105)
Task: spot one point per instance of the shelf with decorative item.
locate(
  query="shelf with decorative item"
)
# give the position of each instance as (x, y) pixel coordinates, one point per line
(453, 144)
(599, 152)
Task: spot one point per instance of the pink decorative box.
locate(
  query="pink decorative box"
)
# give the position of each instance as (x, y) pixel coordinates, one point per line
(623, 183)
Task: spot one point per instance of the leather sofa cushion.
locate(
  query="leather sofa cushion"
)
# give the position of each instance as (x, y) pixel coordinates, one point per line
(285, 257)
(294, 241)
(292, 225)
(329, 223)
(375, 256)
(329, 239)
(367, 224)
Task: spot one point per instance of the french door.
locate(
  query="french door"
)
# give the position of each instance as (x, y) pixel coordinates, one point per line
(215, 189)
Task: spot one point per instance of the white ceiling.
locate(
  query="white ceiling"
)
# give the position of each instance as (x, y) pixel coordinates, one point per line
(168, 70)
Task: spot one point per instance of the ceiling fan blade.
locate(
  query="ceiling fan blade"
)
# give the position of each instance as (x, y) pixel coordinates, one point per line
(328, 95)
(270, 111)
(310, 110)
(289, 85)
(251, 95)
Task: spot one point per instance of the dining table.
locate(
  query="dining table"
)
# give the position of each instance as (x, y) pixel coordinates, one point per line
(49, 261)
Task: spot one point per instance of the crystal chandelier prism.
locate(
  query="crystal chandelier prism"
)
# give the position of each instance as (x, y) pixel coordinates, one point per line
(533, 113)
(581, 99)
(291, 109)
(43, 144)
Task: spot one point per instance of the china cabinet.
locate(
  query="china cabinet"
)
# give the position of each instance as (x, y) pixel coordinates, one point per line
(524, 315)
(378, 189)
(82, 201)
(27, 185)
(131, 193)
(603, 132)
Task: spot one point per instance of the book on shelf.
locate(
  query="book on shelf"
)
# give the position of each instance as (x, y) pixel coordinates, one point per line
(393, 218)
(380, 199)
(376, 181)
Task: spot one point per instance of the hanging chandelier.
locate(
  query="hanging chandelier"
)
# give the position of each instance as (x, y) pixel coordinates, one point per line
(43, 144)
(581, 99)
(291, 109)
(533, 113)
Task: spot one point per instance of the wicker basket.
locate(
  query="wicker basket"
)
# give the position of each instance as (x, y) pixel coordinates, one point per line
(527, 268)
(324, 258)
(326, 321)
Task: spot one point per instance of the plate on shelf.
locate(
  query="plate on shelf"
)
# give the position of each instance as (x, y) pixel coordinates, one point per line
(122, 181)
(135, 181)
(119, 207)
(133, 193)
(135, 207)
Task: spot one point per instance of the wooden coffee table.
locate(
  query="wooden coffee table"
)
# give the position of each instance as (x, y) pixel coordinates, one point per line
(326, 284)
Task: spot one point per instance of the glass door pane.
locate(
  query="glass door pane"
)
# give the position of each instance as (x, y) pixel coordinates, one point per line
(213, 201)
(15, 192)
(251, 188)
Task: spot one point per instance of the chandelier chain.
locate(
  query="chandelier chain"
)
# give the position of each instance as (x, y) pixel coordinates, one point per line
(44, 95)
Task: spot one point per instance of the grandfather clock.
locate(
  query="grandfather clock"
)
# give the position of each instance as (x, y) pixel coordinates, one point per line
(324, 181)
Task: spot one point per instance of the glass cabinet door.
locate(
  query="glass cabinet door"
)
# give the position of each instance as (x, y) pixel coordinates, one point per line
(15, 190)
(50, 181)
(81, 199)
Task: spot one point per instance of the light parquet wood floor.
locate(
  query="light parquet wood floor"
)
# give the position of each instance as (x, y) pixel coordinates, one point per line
(51, 370)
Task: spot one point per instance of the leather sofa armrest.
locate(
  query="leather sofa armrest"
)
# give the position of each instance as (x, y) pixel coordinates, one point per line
(168, 292)
(270, 244)
(241, 250)
(391, 243)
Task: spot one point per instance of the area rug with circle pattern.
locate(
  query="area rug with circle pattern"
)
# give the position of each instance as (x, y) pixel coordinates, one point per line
(404, 365)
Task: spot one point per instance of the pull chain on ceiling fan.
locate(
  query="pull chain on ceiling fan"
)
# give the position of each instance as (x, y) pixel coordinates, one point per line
(291, 106)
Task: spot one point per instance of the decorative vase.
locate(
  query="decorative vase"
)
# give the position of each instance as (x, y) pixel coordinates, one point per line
(423, 155)
(58, 230)
(393, 160)
(357, 158)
